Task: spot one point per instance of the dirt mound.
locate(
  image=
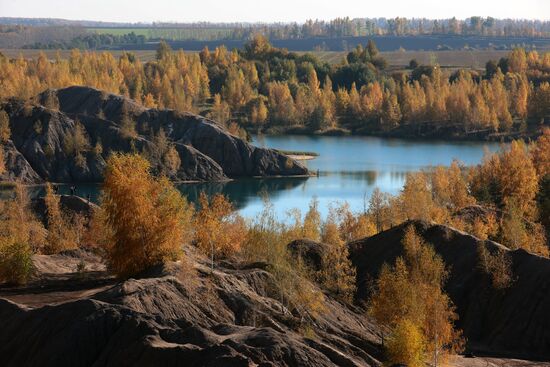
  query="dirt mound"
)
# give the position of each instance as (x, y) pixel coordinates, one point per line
(229, 317)
(38, 149)
(510, 322)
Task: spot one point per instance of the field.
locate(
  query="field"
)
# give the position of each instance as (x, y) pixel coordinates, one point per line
(397, 59)
(177, 34)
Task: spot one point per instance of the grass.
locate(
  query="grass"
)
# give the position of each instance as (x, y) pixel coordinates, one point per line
(450, 59)
(176, 34)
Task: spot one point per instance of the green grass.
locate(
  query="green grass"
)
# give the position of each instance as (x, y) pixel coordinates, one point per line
(176, 34)
(449, 59)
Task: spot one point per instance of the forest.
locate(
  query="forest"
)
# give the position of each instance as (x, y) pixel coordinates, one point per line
(262, 88)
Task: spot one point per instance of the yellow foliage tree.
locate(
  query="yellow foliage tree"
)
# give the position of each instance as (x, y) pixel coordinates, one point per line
(20, 236)
(407, 345)
(146, 220)
(412, 291)
(219, 230)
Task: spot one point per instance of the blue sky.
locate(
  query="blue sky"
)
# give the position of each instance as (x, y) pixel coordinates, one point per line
(268, 10)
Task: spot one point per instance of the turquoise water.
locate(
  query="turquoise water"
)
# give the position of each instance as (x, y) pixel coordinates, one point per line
(349, 170)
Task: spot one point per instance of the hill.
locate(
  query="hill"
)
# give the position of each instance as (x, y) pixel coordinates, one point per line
(512, 321)
(42, 145)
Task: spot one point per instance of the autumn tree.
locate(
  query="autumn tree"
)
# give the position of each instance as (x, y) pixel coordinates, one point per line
(21, 234)
(162, 155)
(146, 220)
(60, 237)
(337, 273)
(219, 230)
(5, 132)
(412, 291)
(312, 222)
(76, 143)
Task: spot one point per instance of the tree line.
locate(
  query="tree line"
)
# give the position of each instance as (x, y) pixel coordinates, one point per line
(263, 87)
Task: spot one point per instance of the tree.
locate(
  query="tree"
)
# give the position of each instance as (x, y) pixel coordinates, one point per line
(59, 236)
(219, 231)
(337, 274)
(312, 222)
(5, 132)
(76, 143)
(540, 153)
(407, 345)
(163, 50)
(146, 220)
(127, 126)
(20, 233)
(412, 291)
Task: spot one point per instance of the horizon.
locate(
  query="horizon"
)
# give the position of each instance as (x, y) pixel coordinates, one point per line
(246, 11)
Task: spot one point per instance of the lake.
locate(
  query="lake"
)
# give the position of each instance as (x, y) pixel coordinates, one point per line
(349, 167)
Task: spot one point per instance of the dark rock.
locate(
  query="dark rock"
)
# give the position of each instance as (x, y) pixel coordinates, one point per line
(206, 150)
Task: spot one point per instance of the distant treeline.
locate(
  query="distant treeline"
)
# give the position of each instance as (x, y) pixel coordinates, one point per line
(59, 33)
(91, 42)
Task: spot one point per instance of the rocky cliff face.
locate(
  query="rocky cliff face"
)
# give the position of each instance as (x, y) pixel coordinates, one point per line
(38, 149)
(514, 321)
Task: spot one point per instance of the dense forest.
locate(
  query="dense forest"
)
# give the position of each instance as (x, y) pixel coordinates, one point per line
(265, 88)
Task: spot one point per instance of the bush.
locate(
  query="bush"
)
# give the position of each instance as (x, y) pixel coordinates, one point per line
(15, 262)
(146, 220)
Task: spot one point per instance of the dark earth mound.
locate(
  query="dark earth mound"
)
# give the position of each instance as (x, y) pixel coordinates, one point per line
(514, 321)
(38, 151)
(231, 317)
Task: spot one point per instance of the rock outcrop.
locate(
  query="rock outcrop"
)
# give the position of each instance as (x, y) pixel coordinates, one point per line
(512, 322)
(229, 317)
(38, 149)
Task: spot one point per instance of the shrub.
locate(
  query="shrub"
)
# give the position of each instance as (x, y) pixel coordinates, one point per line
(146, 220)
(267, 241)
(15, 261)
(312, 222)
(412, 291)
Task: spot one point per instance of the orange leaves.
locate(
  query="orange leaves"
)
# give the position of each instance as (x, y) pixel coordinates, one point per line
(219, 231)
(409, 299)
(147, 220)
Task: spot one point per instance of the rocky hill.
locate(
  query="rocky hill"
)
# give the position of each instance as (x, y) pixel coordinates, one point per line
(233, 315)
(513, 321)
(229, 317)
(38, 149)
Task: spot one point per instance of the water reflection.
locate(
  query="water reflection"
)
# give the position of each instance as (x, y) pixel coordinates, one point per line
(349, 170)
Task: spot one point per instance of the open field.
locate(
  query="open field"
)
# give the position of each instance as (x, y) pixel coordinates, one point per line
(450, 59)
(177, 34)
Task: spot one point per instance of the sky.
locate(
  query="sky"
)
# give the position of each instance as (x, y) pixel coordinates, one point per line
(268, 10)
